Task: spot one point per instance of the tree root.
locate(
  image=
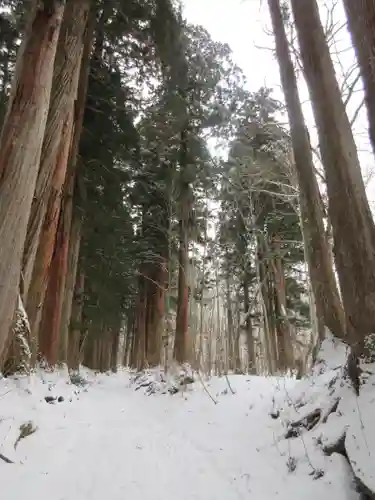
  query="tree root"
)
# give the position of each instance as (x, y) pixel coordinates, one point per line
(338, 446)
(312, 419)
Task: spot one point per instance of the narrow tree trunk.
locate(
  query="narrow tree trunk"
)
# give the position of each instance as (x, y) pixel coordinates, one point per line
(127, 338)
(73, 257)
(139, 351)
(361, 22)
(75, 326)
(182, 301)
(180, 346)
(230, 323)
(251, 368)
(317, 249)
(237, 338)
(20, 147)
(115, 333)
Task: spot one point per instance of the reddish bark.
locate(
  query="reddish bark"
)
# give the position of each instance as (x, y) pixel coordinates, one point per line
(51, 322)
(20, 147)
(139, 344)
(40, 276)
(73, 257)
(155, 315)
(64, 89)
(75, 326)
(182, 320)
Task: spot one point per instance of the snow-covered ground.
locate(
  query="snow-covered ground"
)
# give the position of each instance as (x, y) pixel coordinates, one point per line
(108, 440)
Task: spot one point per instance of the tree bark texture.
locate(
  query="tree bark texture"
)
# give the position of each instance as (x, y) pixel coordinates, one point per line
(320, 265)
(21, 144)
(361, 23)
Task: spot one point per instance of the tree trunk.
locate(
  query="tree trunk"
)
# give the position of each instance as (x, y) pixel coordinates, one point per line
(155, 314)
(317, 249)
(71, 215)
(352, 224)
(64, 89)
(75, 326)
(180, 345)
(129, 337)
(139, 344)
(230, 324)
(115, 332)
(44, 218)
(237, 338)
(283, 327)
(20, 147)
(266, 307)
(251, 367)
(48, 242)
(52, 310)
(361, 23)
(73, 257)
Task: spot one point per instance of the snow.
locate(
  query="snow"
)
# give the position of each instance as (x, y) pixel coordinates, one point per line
(210, 441)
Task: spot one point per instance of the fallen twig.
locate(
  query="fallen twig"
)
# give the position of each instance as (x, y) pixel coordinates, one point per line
(5, 393)
(205, 388)
(6, 459)
(230, 387)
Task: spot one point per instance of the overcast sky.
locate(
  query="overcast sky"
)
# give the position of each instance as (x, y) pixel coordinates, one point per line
(243, 24)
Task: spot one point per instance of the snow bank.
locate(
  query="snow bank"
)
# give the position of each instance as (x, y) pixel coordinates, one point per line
(324, 408)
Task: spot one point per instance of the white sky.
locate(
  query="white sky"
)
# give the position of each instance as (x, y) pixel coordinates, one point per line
(243, 24)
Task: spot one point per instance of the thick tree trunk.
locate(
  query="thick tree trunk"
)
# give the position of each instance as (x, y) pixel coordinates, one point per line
(71, 215)
(361, 22)
(20, 147)
(267, 309)
(51, 319)
(352, 224)
(47, 241)
(64, 89)
(317, 248)
(155, 315)
(55, 157)
(283, 326)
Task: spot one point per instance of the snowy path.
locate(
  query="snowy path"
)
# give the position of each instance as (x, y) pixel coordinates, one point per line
(114, 443)
(116, 450)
